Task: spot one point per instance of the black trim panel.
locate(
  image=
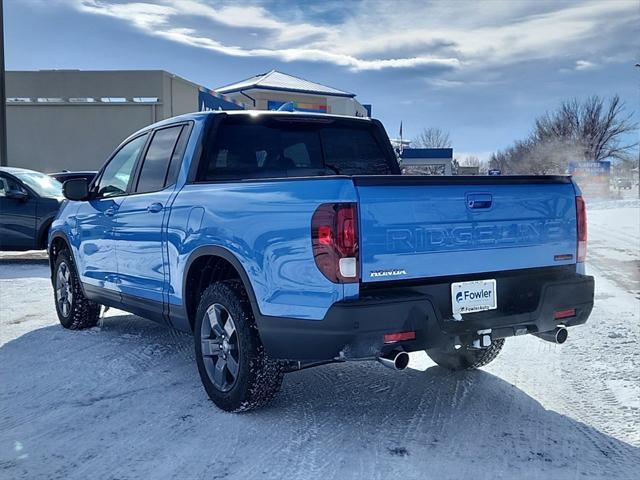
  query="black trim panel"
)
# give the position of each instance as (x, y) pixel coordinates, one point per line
(355, 329)
(142, 307)
(395, 180)
(104, 296)
(390, 180)
(557, 272)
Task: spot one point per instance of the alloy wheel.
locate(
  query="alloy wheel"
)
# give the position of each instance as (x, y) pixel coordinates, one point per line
(64, 290)
(220, 349)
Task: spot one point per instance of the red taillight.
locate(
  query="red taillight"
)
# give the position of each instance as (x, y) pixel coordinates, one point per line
(581, 210)
(325, 237)
(559, 314)
(334, 235)
(399, 337)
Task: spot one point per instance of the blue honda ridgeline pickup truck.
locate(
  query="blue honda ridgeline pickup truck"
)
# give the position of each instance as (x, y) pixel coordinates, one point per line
(288, 240)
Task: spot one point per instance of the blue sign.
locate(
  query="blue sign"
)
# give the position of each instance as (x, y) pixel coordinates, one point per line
(293, 106)
(592, 169)
(495, 172)
(208, 102)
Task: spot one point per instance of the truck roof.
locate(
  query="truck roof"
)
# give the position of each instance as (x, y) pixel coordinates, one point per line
(253, 113)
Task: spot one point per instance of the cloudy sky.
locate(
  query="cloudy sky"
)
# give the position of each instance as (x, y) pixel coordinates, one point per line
(481, 70)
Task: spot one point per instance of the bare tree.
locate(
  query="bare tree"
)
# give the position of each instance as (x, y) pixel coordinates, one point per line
(533, 158)
(455, 165)
(432, 137)
(501, 160)
(585, 131)
(594, 127)
(471, 161)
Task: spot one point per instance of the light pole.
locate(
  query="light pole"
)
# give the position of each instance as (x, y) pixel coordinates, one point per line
(638, 65)
(3, 97)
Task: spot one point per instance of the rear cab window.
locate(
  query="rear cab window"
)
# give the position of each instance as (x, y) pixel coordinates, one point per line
(243, 148)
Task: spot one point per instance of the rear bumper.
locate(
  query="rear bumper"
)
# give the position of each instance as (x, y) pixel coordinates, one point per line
(355, 329)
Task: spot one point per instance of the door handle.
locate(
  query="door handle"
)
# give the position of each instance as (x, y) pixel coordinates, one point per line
(154, 207)
(110, 212)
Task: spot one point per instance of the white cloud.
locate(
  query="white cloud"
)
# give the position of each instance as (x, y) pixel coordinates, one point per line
(439, 35)
(584, 65)
(162, 21)
(444, 83)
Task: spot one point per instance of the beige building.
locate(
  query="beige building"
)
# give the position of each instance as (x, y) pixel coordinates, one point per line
(73, 119)
(271, 90)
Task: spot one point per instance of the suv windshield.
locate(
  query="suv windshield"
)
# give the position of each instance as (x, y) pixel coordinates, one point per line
(271, 147)
(42, 184)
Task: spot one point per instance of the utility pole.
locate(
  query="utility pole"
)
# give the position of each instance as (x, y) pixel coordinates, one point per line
(638, 65)
(4, 160)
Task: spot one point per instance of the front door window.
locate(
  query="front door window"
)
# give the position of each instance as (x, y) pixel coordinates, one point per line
(115, 177)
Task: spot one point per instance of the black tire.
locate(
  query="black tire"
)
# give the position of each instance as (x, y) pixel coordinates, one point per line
(76, 311)
(466, 358)
(239, 376)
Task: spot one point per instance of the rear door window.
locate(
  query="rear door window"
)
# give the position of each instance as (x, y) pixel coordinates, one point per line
(156, 163)
(176, 158)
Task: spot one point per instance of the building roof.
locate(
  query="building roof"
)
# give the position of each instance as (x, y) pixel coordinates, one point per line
(275, 80)
(427, 153)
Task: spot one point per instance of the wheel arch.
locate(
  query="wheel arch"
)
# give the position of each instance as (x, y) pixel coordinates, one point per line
(59, 241)
(206, 265)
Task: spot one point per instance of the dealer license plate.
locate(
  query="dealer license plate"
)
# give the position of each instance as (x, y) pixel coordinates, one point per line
(476, 296)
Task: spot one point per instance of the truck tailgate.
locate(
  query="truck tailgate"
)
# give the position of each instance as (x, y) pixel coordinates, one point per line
(417, 227)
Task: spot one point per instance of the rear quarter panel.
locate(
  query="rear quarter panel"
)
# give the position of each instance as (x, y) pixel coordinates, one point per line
(266, 226)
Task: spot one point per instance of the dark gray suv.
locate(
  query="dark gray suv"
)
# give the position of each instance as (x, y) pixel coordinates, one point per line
(29, 201)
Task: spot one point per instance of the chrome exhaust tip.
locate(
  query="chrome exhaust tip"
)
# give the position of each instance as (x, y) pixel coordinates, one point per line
(395, 360)
(559, 335)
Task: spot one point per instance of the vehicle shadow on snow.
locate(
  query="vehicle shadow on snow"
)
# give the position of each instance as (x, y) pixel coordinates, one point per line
(128, 394)
(22, 270)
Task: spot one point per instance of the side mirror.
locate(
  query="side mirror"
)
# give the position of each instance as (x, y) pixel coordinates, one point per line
(76, 189)
(17, 195)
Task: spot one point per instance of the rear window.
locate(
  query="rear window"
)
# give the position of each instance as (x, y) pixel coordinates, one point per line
(249, 148)
(354, 152)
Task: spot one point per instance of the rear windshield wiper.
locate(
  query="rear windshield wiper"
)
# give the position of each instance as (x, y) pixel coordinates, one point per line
(333, 167)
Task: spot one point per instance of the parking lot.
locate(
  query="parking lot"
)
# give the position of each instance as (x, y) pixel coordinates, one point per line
(123, 400)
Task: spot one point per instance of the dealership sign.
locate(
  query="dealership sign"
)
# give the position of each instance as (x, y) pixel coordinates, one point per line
(592, 177)
(298, 106)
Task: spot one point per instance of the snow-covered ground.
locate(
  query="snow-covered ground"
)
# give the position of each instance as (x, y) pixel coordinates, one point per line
(124, 400)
